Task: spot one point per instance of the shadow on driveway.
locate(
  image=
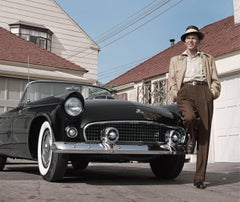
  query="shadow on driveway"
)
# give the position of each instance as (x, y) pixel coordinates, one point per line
(126, 174)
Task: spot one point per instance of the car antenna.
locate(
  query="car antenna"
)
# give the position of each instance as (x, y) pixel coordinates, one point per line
(28, 70)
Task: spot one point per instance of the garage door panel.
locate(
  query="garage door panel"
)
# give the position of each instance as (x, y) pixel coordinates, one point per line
(228, 116)
(227, 148)
(226, 121)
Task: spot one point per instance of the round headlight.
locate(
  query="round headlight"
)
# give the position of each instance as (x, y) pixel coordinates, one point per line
(73, 106)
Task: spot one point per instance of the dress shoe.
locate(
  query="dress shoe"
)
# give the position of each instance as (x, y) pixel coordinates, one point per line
(200, 184)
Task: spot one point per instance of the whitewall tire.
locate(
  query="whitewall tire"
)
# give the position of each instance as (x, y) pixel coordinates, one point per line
(52, 166)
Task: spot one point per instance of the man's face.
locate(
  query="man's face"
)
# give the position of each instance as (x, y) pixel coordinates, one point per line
(191, 42)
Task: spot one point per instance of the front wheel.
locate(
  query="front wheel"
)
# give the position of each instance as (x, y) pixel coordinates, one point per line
(3, 160)
(52, 166)
(167, 166)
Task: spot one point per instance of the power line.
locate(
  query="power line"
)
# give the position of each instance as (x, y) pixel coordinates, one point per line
(116, 26)
(120, 68)
(141, 14)
(123, 26)
(129, 22)
(142, 24)
(105, 76)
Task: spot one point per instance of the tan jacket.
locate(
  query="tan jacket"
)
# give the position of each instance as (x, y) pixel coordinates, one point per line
(177, 69)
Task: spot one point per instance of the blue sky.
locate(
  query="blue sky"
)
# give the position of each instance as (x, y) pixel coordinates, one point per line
(146, 37)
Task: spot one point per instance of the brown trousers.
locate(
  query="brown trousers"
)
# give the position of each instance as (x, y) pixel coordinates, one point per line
(196, 105)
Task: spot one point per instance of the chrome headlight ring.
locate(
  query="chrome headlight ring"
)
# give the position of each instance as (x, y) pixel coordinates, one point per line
(175, 136)
(73, 106)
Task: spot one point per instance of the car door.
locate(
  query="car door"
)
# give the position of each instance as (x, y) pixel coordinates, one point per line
(6, 132)
(20, 131)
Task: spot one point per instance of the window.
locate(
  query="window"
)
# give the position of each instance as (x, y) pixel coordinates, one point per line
(155, 93)
(144, 93)
(147, 92)
(35, 33)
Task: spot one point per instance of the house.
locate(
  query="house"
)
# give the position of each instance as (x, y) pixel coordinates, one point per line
(47, 24)
(147, 83)
(39, 40)
(21, 61)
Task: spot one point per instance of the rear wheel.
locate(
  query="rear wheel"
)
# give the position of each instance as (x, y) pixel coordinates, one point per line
(167, 166)
(52, 166)
(3, 160)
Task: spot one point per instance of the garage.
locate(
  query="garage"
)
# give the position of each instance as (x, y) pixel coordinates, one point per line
(11, 90)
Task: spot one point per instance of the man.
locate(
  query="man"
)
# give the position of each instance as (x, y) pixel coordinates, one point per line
(194, 84)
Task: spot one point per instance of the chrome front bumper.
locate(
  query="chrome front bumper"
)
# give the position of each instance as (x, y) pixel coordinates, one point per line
(83, 148)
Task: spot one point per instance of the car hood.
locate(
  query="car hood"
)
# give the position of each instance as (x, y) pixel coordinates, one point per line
(115, 110)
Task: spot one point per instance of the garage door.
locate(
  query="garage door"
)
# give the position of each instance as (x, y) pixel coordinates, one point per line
(11, 90)
(226, 121)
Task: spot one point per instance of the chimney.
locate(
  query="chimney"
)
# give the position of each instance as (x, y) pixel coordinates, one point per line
(236, 11)
(172, 41)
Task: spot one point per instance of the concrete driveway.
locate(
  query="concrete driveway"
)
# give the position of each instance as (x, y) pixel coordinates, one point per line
(130, 182)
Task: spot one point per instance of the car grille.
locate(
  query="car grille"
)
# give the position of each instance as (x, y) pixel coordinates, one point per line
(130, 131)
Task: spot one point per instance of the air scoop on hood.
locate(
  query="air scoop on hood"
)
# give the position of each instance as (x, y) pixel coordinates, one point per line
(154, 113)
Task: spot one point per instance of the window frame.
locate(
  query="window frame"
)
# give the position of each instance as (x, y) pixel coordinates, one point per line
(29, 31)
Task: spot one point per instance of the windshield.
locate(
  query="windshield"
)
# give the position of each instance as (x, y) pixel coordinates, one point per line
(41, 89)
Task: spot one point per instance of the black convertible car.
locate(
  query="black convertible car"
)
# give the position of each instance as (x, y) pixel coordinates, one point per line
(58, 123)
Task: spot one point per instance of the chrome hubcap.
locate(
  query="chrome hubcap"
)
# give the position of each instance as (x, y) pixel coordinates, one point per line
(46, 151)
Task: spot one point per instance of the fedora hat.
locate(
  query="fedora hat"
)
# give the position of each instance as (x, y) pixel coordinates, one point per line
(192, 30)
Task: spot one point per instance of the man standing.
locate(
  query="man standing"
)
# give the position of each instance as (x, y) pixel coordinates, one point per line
(194, 84)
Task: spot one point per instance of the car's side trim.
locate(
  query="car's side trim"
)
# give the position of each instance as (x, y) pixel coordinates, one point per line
(83, 148)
